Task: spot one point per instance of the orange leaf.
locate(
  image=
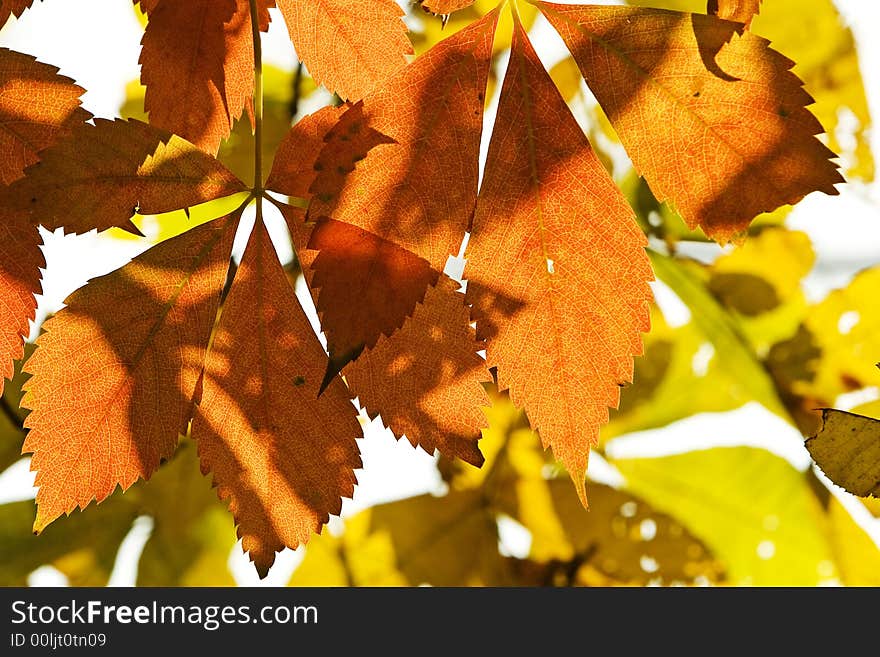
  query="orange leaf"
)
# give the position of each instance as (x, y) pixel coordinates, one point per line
(36, 104)
(115, 372)
(197, 64)
(414, 144)
(445, 7)
(556, 267)
(741, 11)
(20, 262)
(293, 169)
(703, 111)
(425, 380)
(349, 46)
(13, 8)
(100, 175)
(282, 455)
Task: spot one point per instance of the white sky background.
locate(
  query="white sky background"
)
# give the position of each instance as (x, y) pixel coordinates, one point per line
(97, 43)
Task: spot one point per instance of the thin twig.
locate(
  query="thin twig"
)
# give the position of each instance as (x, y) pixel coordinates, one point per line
(297, 91)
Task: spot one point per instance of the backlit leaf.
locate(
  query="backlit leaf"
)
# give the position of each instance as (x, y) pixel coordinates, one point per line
(12, 8)
(197, 64)
(736, 355)
(749, 506)
(101, 175)
(702, 110)
(115, 371)
(556, 269)
(281, 455)
(349, 46)
(293, 169)
(741, 11)
(419, 540)
(414, 143)
(36, 105)
(444, 7)
(855, 552)
(20, 262)
(845, 327)
(426, 379)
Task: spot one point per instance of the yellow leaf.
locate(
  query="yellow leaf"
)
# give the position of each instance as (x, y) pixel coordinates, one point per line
(753, 510)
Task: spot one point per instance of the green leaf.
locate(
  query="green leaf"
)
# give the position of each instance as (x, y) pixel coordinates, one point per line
(733, 350)
(755, 511)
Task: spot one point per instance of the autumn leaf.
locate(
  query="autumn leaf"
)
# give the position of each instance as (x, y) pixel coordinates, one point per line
(445, 7)
(13, 8)
(553, 233)
(293, 169)
(349, 46)
(100, 175)
(741, 11)
(147, 6)
(115, 372)
(847, 448)
(26, 126)
(702, 110)
(422, 129)
(856, 554)
(721, 329)
(426, 379)
(823, 46)
(20, 262)
(621, 537)
(197, 63)
(281, 455)
(361, 272)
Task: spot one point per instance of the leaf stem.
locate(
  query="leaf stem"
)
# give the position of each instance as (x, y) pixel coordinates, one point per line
(258, 109)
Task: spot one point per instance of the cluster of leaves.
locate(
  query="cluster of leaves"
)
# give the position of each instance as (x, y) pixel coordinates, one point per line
(382, 190)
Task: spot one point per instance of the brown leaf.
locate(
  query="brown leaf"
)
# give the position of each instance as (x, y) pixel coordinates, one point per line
(12, 8)
(847, 448)
(100, 175)
(445, 7)
(20, 262)
(414, 143)
(426, 379)
(293, 169)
